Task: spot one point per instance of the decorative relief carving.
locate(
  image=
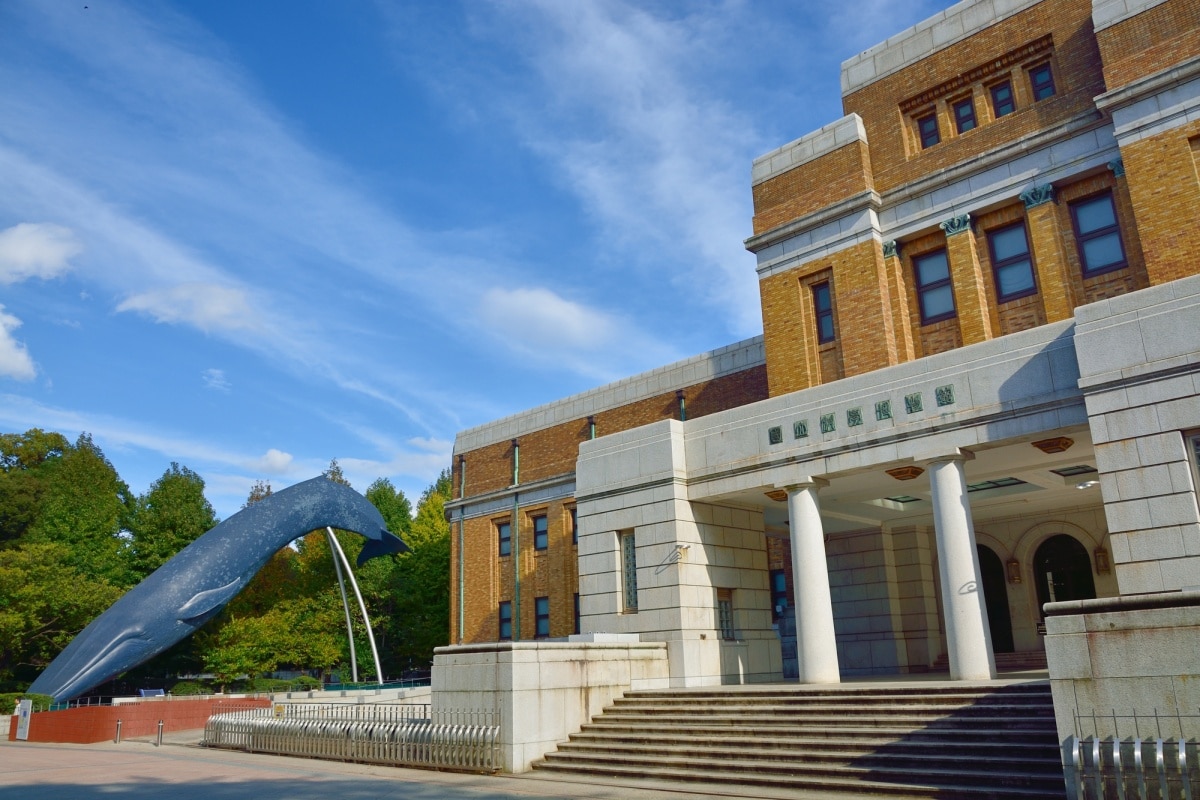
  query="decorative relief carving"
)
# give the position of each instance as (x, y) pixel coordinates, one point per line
(883, 410)
(775, 435)
(912, 403)
(891, 249)
(945, 395)
(1038, 195)
(956, 225)
(827, 423)
(854, 418)
(800, 429)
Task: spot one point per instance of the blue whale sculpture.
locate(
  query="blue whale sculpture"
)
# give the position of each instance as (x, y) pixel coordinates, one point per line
(193, 587)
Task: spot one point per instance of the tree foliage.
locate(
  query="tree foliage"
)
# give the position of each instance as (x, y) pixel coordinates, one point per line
(172, 515)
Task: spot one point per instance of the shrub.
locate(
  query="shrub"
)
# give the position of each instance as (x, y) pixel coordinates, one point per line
(189, 688)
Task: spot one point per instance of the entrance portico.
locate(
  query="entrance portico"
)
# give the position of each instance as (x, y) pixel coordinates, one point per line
(877, 519)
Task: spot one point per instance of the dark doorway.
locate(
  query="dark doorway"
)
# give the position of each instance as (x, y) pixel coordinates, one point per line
(995, 595)
(1062, 570)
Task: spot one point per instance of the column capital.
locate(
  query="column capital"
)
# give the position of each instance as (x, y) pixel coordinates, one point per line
(1038, 195)
(957, 224)
(950, 454)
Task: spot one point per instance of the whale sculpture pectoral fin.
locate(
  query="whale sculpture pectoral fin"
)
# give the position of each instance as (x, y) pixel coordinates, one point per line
(208, 602)
(387, 543)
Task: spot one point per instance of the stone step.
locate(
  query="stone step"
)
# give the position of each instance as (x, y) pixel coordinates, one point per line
(651, 707)
(883, 735)
(811, 753)
(860, 742)
(833, 721)
(939, 785)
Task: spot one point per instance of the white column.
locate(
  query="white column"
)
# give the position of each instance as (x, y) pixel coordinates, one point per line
(816, 646)
(968, 638)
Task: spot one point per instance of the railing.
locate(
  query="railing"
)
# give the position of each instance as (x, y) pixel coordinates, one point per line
(1102, 762)
(399, 735)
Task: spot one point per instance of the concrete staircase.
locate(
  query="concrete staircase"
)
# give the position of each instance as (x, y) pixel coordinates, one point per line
(934, 740)
(1026, 661)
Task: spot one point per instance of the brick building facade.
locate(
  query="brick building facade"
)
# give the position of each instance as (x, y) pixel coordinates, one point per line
(977, 389)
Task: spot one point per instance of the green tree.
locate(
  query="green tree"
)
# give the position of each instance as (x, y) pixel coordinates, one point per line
(44, 602)
(170, 516)
(392, 504)
(420, 620)
(25, 459)
(259, 491)
(86, 506)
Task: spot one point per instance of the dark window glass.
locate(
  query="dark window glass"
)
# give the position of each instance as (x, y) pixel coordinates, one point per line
(927, 128)
(574, 527)
(541, 607)
(1011, 263)
(1098, 235)
(1002, 100)
(964, 115)
(505, 620)
(504, 530)
(1042, 80)
(934, 292)
(779, 593)
(577, 612)
(823, 304)
(541, 535)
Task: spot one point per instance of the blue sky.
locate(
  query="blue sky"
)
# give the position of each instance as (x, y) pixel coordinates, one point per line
(251, 237)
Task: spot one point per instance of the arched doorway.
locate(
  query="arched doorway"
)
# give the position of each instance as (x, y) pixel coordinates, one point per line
(995, 596)
(1062, 570)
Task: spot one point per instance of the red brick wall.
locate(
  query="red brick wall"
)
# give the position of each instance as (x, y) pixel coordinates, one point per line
(99, 723)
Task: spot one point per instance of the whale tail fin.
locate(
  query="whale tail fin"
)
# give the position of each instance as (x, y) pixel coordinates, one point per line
(387, 544)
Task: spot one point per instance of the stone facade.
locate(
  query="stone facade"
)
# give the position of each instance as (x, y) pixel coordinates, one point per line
(976, 396)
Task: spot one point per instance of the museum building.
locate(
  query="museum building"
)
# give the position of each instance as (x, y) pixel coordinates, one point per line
(977, 390)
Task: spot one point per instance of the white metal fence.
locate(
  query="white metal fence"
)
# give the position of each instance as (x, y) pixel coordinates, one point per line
(1127, 757)
(399, 735)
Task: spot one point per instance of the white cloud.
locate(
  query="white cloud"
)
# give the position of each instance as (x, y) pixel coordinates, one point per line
(274, 462)
(215, 379)
(36, 250)
(14, 358)
(207, 306)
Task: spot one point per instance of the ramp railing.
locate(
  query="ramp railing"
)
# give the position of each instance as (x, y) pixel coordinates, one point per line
(1103, 763)
(398, 735)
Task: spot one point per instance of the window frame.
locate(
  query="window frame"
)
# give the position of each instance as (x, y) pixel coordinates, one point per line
(922, 290)
(965, 102)
(1035, 88)
(1191, 443)
(627, 546)
(541, 617)
(726, 630)
(572, 512)
(1010, 261)
(1082, 238)
(1012, 98)
(541, 538)
(824, 288)
(923, 136)
(576, 612)
(504, 620)
(504, 538)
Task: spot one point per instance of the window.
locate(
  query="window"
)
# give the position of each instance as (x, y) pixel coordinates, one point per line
(964, 115)
(1011, 264)
(541, 609)
(1193, 448)
(725, 614)
(934, 292)
(1097, 235)
(505, 620)
(577, 612)
(574, 527)
(1042, 81)
(779, 593)
(541, 533)
(504, 532)
(629, 570)
(1002, 100)
(927, 130)
(823, 304)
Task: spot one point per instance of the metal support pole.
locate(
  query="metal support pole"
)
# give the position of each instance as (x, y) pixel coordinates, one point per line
(337, 567)
(361, 605)
(158, 742)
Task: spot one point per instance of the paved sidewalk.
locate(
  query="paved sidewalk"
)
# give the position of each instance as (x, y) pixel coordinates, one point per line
(137, 770)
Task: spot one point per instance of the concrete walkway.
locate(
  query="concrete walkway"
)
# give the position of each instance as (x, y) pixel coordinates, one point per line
(180, 770)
